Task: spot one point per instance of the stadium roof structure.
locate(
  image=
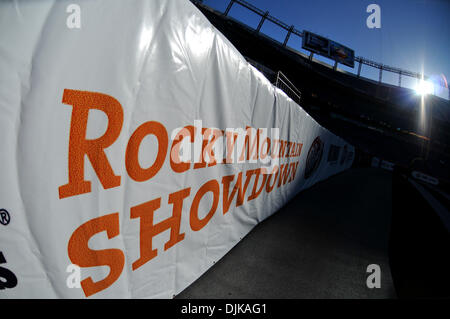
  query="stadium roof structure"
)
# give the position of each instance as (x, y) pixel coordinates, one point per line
(291, 30)
(385, 119)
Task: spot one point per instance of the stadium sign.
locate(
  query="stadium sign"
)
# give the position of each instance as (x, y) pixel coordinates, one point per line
(328, 48)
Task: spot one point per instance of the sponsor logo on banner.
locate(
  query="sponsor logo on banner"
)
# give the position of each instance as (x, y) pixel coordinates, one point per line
(314, 156)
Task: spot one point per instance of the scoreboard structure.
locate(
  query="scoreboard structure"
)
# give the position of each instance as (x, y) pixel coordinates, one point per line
(328, 48)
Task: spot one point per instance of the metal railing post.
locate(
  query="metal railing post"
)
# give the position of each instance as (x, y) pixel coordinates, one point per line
(229, 7)
(288, 35)
(359, 68)
(381, 74)
(263, 18)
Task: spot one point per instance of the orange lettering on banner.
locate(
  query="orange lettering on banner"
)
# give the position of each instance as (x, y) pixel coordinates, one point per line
(275, 172)
(286, 153)
(241, 193)
(284, 174)
(201, 161)
(264, 155)
(216, 134)
(282, 149)
(231, 139)
(290, 150)
(79, 146)
(134, 169)
(295, 149)
(256, 193)
(81, 255)
(250, 146)
(275, 148)
(175, 163)
(293, 169)
(300, 145)
(148, 230)
(210, 186)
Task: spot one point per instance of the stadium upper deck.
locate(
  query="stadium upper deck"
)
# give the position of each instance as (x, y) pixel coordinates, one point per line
(379, 118)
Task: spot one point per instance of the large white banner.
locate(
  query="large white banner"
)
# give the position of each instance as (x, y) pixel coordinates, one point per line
(137, 148)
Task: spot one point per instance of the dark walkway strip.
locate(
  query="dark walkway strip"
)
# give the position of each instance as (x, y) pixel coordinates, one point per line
(318, 246)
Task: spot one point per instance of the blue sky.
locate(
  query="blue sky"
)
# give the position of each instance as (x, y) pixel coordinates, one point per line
(414, 34)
